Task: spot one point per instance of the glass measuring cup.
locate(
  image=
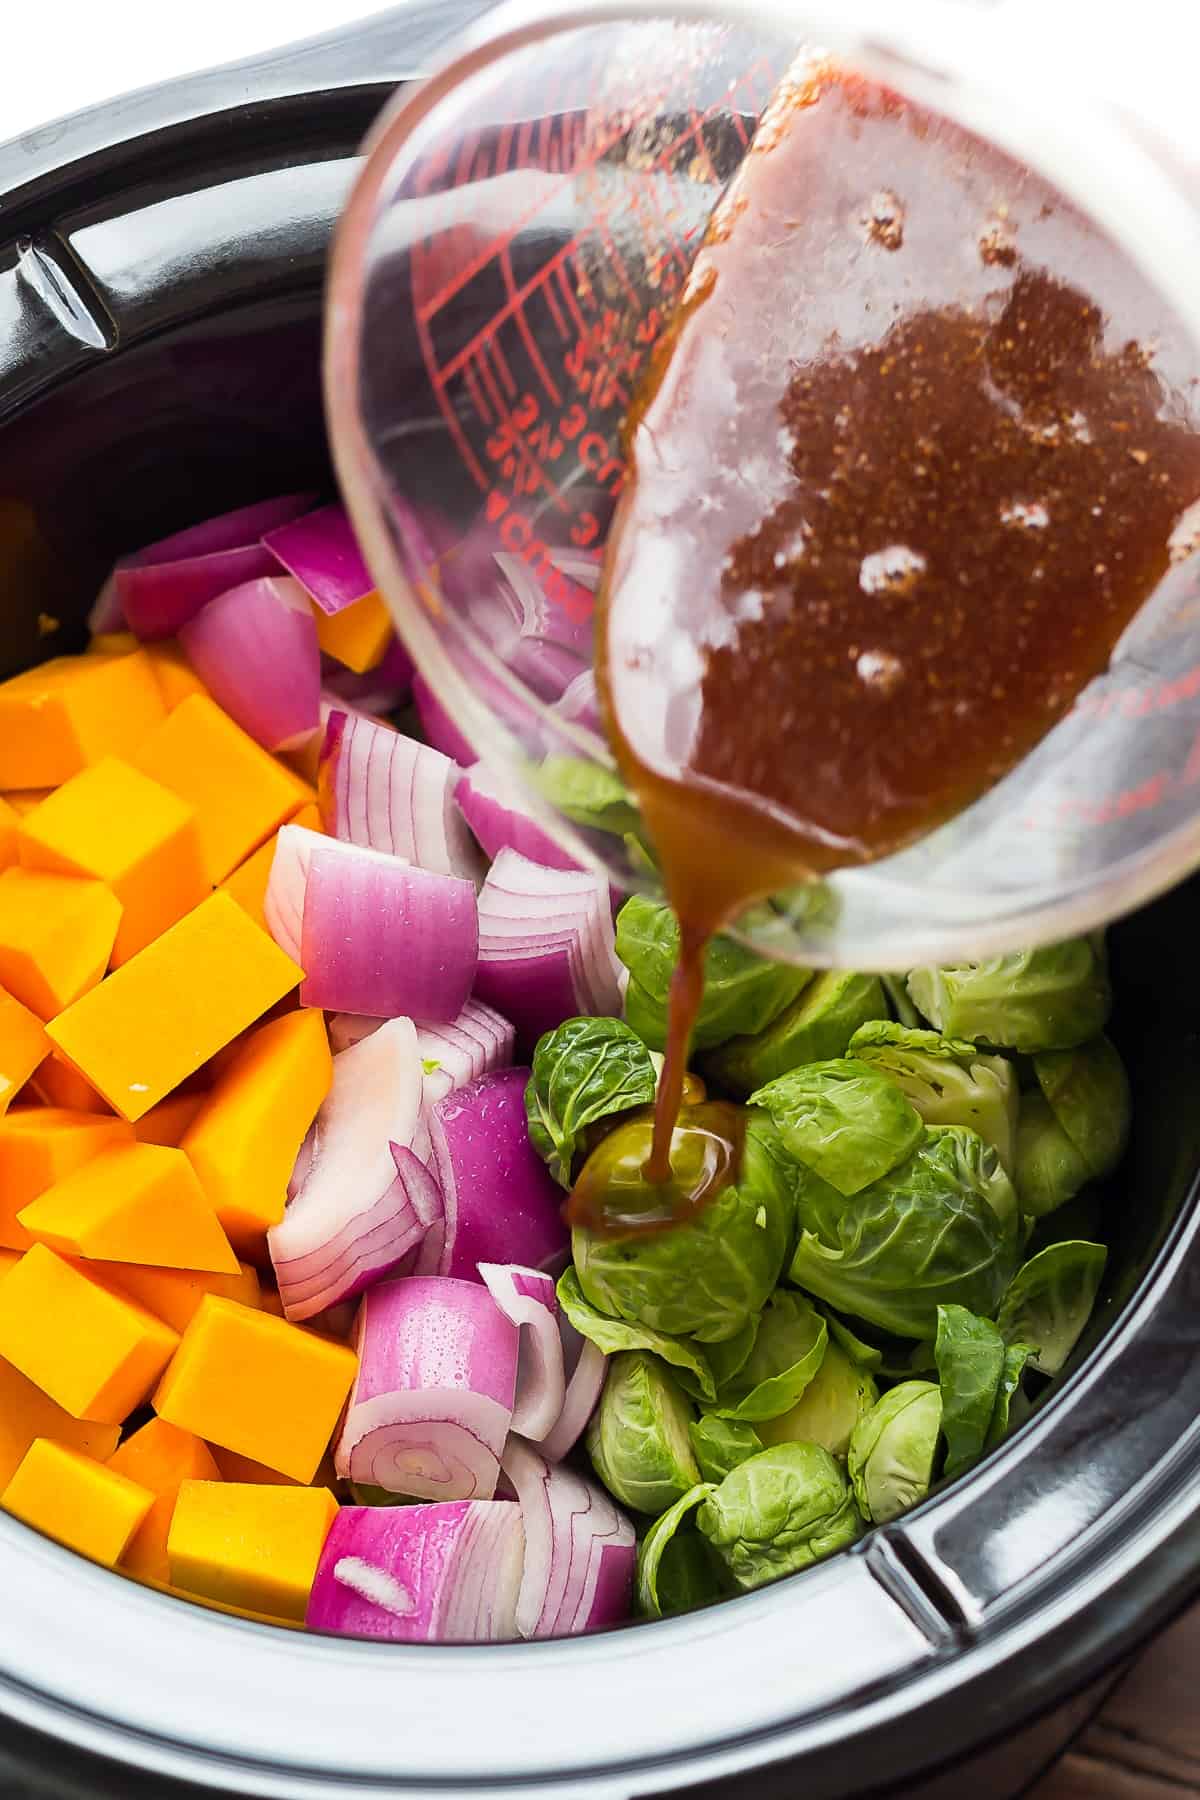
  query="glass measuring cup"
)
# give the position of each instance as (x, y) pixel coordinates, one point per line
(522, 228)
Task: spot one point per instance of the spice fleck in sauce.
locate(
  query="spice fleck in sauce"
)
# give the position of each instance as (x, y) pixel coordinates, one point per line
(911, 457)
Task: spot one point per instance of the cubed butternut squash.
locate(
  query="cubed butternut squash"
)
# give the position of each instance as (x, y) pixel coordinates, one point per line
(251, 1547)
(10, 820)
(58, 1084)
(174, 1295)
(27, 1413)
(159, 1456)
(61, 716)
(112, 643)
(240, 793)
(39, 1146)
(248, 883)
(24, 1046)
(56, 936)
(115, 824)
(84, 1504)
(167, 1122)
(177, 680)
(133, 1203)
(162, 1014)
(244, 1468)
(244, 1140)
(358, 635)
(93, 1351)
(256, 1385)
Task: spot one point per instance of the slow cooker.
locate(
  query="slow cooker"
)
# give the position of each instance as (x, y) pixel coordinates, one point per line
(161, 270)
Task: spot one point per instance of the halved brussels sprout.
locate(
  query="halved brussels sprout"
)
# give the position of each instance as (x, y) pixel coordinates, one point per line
(638, 1435)
(705, 1278)
(816, 1026)
(667, 1573)
(836, 1398)
(970, 1365)
(1050, 1301)
(845, 1121)
(614, 1335)
(1009, 1394)
(788, 1349)
(583, 1071)
(948, 1080)
(1048, 999)
(779, 1512)
(721, 1444)
(938, 1230)
(1075, 1128)
(894, 1449)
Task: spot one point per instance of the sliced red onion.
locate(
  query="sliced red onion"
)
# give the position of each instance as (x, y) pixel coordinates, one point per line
(255, 649)
(451, 1055)
(499, 815)
(348, 1029)
(352, 1219)
(380, 690)
(546, 945)
(164, 585)
(448, 1572)
(283, 902)
(499, 1201)
(527, 1297)
(585, 1365)
(322, 552)
(544, 639)
(387, 792)
(580, 1551)
(439, 728)
(107, 613)
(432, 1401)
(579, 702)
(382, 937)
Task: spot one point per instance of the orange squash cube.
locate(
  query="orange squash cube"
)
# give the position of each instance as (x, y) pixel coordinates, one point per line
(24, 1046)
(133, 1203)
(240, 793)
(159, 1456)
(39, 1146)
(84, 1504)
(248, 883)
(256, 1385)
(177, 680)
(112, 643)
(113, 823)
(244, 1140)
(174, 1295)
(156, 1019)
(167, 1122)
(56, 936)
(57, 718)
(10, 820)
(255, 1548)
(244, 1468)
(358, 635)
(27, 1413)
(93, 1351)
(57, 1084)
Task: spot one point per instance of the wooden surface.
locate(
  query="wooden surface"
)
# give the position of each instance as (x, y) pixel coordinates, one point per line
(1145, 1742)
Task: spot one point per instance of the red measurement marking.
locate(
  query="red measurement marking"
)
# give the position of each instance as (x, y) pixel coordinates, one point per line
(560, 275)
(555, 311)
(477, 400)
(487, 332)
(496, 350)
(549, 385)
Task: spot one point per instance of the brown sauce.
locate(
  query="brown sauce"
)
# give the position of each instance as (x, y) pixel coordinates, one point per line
(908, 463)
(617, 1193)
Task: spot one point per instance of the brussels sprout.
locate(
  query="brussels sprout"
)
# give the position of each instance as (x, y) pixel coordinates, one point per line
(742, 991)
(788, 1350)
(722, 1362)
(970, 1366)
(1074, 1129)
(1050, 1301)
(828, 1410)
(589, 795)
(896, 989)
(654, 1559)
(721, 1444)
(707, 1277)
(689, 1574)
(1015, 1358)
(638, 1435)
(861, 1354)
(1049, 999)
(614, 1335)
(817, 1025)
(845, 1121)
(927, 1234)
(779, 1512)
(893, 1450)
(946, 1079)
(583, 1070)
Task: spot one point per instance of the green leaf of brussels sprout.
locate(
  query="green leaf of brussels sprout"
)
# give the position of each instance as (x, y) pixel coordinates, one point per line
(1015, 1358)
(970, 1366)
(836, 1398)
(653, 1549)
(788, 1349)
(705, 1278)
(896, 989)
(1048, 999)
(583, 1070)
(723, 1361)
(817, 1025)
(614, 1335)
(861, 1354)
(947, 1079)
(845, 1121)
(689, 1574)
(1049, 1169)
(927, 1234)
(638, 1435)
(1050, 1301)
(778, 1512)
(721, 1444)
(589, 795)
(893, 1450)
(1075, 1128)
(742, 991)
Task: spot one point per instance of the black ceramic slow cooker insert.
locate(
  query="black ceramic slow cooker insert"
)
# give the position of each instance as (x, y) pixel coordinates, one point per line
(161, 265)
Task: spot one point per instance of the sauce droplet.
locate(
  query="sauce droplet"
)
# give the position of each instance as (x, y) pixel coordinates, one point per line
(618, 1195)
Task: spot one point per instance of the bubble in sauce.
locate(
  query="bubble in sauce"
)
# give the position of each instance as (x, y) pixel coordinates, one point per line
(896, 570)
(882, 219)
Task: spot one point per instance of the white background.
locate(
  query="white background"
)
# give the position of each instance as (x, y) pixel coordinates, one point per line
(59, 55)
